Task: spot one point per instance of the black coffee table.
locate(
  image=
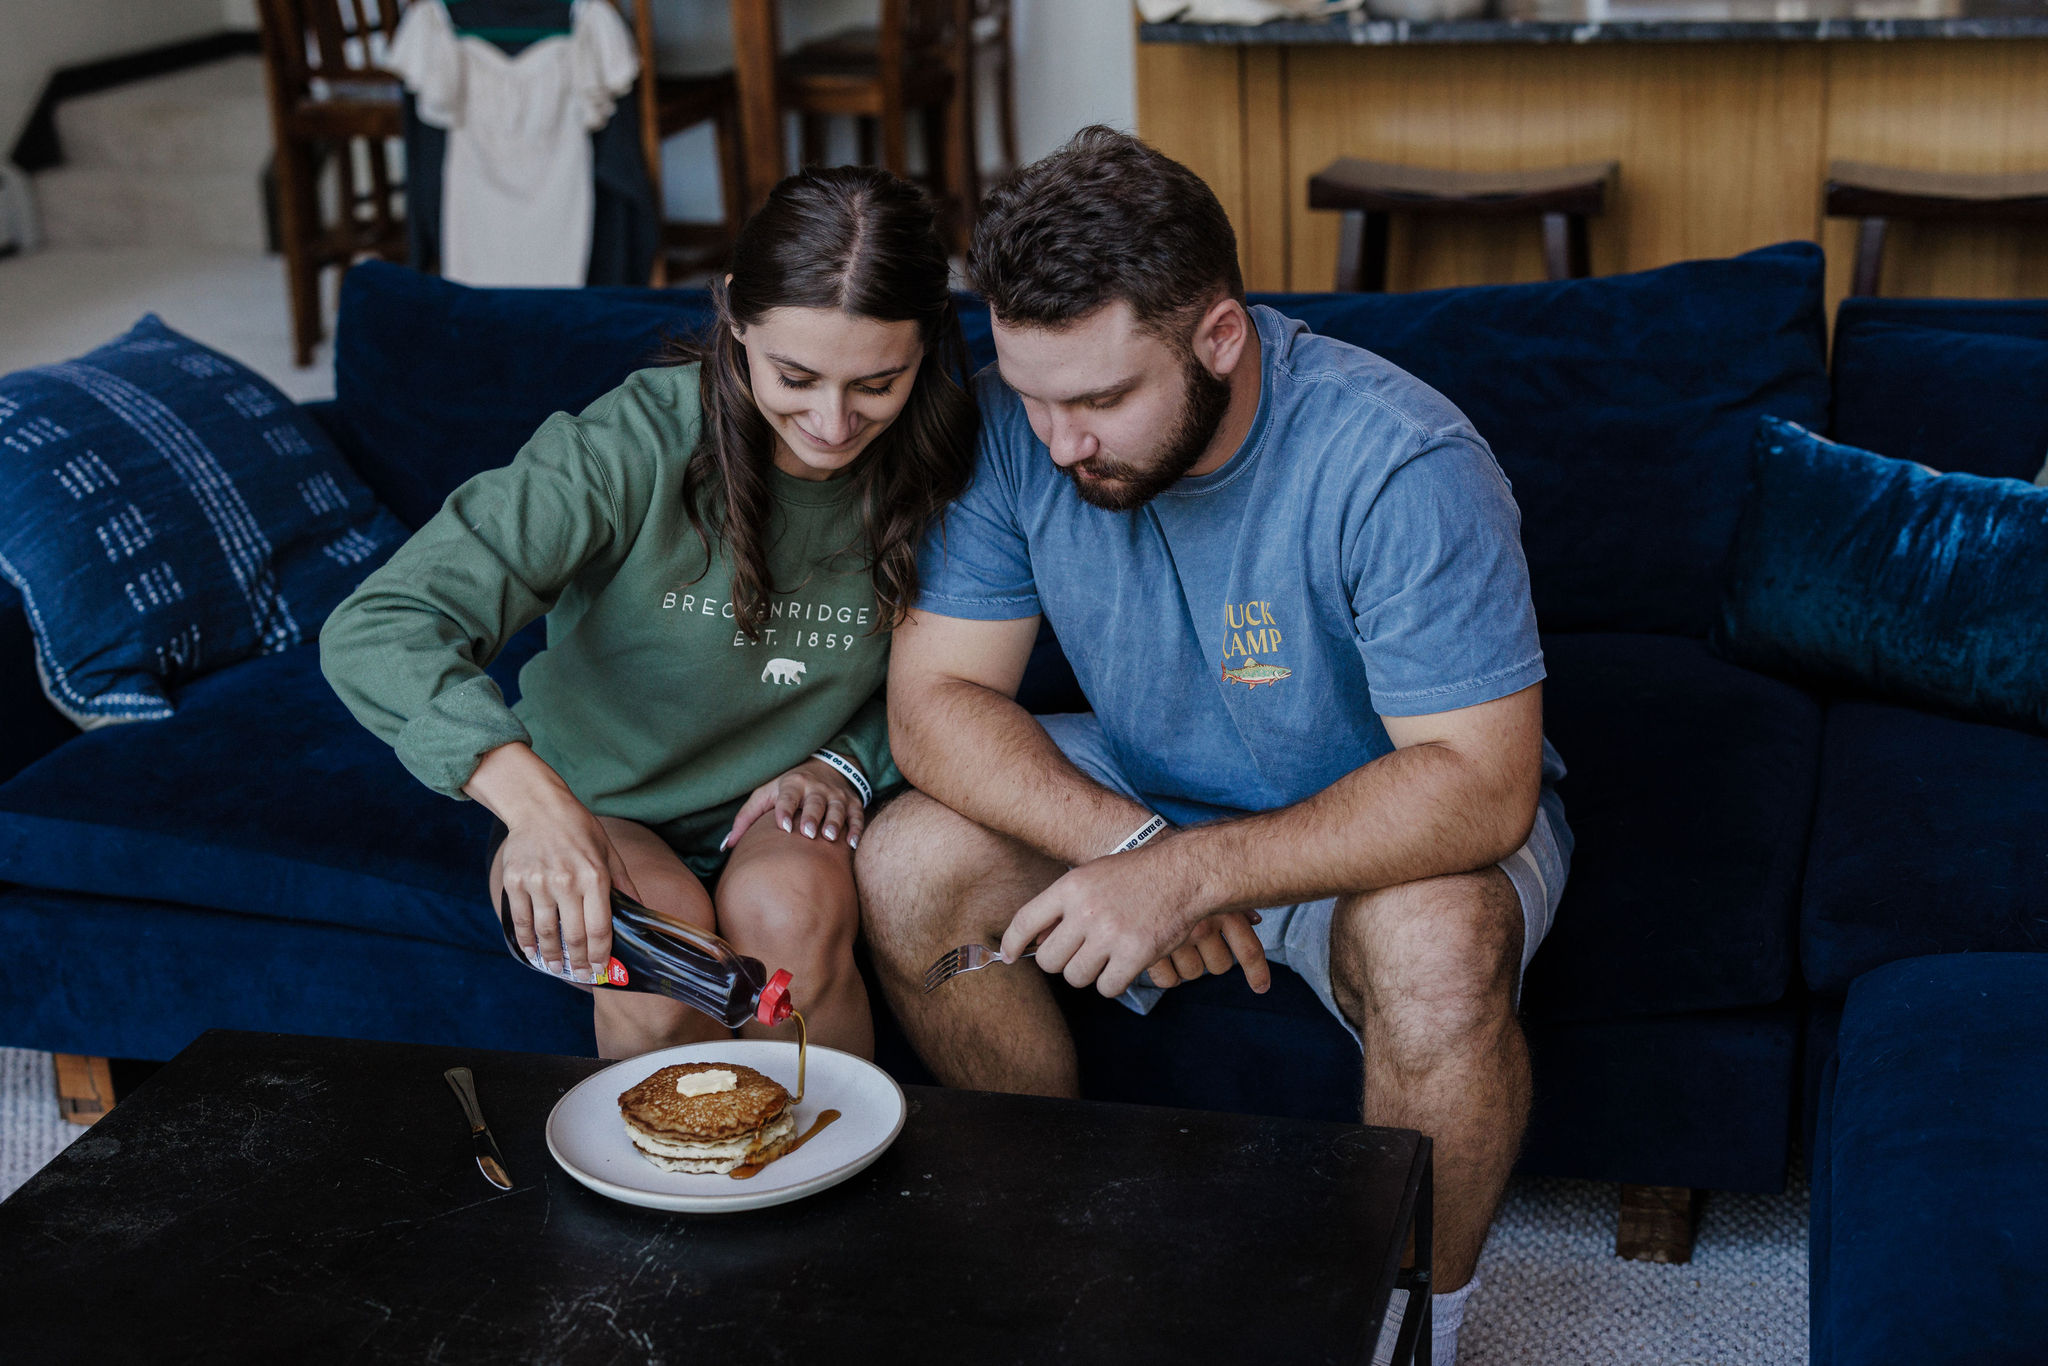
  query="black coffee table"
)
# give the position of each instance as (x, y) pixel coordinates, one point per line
(270, 1198)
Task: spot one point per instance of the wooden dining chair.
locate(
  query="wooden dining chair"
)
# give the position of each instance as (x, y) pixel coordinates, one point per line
(674, 104)
(918, 59)
(332, 108)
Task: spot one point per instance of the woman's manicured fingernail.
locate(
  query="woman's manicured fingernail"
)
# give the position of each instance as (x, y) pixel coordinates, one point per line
(853, 841)
(1255, 917)
(786, 824)
(722, 843)
(810, 830)
(831, 832)
(531, 957)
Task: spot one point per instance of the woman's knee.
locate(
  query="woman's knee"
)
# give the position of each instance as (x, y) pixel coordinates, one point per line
(802, 899)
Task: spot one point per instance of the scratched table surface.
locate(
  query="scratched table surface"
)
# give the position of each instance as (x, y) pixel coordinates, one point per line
(270, 1197)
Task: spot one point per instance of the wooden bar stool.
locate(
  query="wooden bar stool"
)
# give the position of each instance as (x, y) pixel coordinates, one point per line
(1369, 192)
(1878, 194)
(670, 105)
(331, 104)
(919, 60)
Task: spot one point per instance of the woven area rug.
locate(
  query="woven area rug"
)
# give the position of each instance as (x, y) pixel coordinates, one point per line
(31, 1130)
(1552, 1294)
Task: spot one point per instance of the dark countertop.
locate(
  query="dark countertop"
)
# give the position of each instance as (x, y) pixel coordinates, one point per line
(1645, 21)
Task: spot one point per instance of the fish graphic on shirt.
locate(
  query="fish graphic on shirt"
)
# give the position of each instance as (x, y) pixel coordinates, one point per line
(1254, 673)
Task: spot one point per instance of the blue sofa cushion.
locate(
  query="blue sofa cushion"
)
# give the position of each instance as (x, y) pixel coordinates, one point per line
(1968, 402)
(1927, 838)
(1621, 407)
(1703, 1099)
(261, 796)
(1882, 576)
(1930, 1204)
(1690, 787)
(165, 512)
(439, 382)
(436, 381)
(1622, 410)
(33, 726)
(141, 979)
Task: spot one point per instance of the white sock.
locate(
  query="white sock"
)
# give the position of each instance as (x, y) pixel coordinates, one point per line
(1446, 1316)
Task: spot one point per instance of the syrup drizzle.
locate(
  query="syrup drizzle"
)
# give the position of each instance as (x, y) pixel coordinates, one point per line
(803, 1052)
(751, 1169)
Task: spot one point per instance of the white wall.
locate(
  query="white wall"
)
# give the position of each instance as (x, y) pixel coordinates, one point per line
(1076, 65)
(238, 14)
(38, 36)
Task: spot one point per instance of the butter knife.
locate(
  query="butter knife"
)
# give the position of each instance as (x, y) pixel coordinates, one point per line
(489, 1160)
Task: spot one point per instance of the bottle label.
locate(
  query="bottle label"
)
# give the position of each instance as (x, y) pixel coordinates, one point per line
(615, 973)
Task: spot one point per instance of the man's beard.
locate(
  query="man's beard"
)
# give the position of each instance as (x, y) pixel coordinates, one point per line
(1207, 399)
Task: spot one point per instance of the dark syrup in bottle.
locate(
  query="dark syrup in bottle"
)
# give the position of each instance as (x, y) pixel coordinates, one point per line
(656, 953)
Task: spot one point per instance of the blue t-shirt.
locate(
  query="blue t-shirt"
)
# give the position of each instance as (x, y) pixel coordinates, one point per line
(1241, 636)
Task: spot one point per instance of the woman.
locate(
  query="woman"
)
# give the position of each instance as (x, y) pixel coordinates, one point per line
(721, 547)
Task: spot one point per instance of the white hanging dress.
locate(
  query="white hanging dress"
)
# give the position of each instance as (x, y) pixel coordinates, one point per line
(517, 195)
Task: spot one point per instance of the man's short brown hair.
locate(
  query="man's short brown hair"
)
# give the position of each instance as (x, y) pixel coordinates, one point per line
(1104, 218)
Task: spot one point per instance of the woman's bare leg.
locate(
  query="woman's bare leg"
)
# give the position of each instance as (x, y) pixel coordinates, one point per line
(633, 1022)
(789, 901)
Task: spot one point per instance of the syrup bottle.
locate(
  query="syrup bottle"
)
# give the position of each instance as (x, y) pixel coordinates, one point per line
(656, 953)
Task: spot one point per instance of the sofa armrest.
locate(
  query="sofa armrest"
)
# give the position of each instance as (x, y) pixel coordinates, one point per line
(29, 726)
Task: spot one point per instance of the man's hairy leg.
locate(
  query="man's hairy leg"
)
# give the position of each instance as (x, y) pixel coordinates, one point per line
(1427, 970)
(931, 880)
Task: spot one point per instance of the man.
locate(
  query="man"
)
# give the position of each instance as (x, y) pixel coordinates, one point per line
(1290, 580)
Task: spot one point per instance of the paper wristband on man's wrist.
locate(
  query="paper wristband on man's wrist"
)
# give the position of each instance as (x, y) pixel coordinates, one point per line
(1142, 835)
(849, 771)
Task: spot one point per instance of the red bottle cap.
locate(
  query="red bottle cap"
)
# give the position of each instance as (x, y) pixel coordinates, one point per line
(774, 1006)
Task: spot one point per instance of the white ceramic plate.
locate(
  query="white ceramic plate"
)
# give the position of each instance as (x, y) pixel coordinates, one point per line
(587, 1137)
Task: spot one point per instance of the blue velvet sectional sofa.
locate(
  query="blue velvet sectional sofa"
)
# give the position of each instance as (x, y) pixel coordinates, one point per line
(1746, 846)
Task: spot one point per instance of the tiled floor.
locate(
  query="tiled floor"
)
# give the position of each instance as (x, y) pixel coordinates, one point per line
(58, 303)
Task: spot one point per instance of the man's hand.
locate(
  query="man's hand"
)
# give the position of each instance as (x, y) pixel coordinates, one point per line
(1106, 921)
(1216, 945)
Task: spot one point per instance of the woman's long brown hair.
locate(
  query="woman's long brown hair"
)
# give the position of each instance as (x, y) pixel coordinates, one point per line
(859, 240)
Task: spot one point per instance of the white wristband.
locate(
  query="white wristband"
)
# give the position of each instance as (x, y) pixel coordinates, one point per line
(849, 771)
(1142, 835)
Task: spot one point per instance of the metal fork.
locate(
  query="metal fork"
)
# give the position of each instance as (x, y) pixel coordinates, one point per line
(966, 958)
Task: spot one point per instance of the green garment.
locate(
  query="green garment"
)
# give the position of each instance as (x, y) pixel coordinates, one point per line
(648, 701)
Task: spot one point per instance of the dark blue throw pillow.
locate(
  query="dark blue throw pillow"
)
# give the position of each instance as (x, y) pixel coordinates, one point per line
(1963, 402)
(164, 511)
(1885, 577)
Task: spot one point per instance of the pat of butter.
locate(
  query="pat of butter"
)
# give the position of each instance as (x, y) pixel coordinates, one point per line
(706, 1083)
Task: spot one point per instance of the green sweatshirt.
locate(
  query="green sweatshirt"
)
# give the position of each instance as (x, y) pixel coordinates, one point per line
(648, 701)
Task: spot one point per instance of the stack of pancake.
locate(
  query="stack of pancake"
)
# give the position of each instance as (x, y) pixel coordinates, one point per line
(749, 1121)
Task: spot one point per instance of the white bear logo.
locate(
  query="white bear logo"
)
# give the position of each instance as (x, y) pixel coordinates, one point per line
(783, 671)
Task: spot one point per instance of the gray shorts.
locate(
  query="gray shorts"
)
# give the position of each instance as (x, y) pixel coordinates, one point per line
(1298, 936)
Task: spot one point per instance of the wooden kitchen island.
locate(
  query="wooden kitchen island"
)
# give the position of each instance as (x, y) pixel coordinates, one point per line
(1723, 114)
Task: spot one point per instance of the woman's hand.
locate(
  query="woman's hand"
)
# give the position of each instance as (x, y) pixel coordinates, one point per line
(558, 873)
(813, 798)
(557, 866)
